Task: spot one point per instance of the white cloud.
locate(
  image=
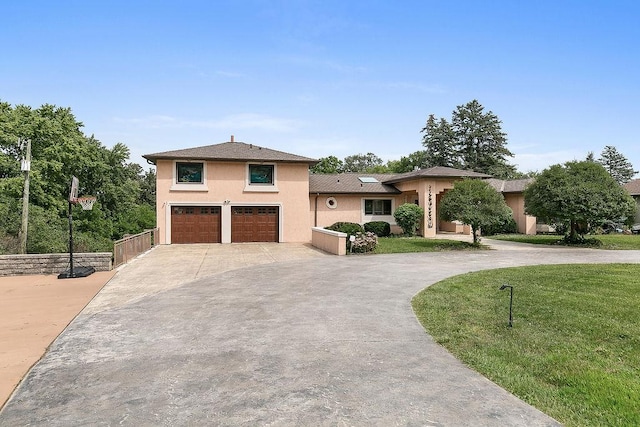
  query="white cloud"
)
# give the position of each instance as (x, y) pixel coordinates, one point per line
(310, 62)
(232, 122)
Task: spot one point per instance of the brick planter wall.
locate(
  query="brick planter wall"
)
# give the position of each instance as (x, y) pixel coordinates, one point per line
(15, 265)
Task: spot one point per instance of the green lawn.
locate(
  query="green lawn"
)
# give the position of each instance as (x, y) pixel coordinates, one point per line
(395, 245)
(609, 241)
(574, 349)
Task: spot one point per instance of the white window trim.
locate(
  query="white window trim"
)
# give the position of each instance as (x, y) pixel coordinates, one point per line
(189, 186)
(388, 218)
(265, 188)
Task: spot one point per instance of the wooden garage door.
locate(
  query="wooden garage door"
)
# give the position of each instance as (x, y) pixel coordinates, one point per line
(254, 224)
(195, 224)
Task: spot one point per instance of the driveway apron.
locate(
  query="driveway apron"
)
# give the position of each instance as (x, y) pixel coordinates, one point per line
(323, 340)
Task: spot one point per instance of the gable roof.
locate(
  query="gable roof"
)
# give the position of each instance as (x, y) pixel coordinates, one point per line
(231, 151)
(350, 183)
(435, 172)
(513, 186)
(633, 187)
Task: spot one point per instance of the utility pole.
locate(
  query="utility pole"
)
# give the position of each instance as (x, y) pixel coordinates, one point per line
(25, 167)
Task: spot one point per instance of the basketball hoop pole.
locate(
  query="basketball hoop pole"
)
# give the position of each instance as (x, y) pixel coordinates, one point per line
(81, 271)
(71, 272)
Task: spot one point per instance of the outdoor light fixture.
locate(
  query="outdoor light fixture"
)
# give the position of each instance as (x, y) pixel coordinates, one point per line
(502, 288)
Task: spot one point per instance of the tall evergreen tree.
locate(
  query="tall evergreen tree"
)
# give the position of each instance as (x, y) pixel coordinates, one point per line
(617, 165)
(439, 142)
(481, 144)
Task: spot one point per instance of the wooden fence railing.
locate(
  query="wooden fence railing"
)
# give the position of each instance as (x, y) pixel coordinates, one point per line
(132, 246)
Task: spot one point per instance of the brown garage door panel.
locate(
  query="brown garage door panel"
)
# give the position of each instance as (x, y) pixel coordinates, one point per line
(195, 224)
(254, 224)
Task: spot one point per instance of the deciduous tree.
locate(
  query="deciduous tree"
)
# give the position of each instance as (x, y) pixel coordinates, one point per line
(577, 195)
(328, 165)
(369, 163)
(475, 203)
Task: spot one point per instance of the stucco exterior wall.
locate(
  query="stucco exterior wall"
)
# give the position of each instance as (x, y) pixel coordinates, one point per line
(225, 185)
(329, 241)
(526, 223)
(350, 208)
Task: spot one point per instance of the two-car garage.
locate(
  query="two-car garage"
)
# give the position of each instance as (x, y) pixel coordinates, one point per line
(204, 224)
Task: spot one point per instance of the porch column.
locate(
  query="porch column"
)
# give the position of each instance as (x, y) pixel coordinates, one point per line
(428, 203)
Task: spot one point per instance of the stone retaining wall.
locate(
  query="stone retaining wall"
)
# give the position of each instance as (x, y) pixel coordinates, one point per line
(15, 265)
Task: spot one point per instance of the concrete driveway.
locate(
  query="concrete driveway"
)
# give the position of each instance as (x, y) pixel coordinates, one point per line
(315, 340)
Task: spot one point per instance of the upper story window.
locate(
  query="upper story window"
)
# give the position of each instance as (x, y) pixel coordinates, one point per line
(377, 207)
(261, 174)
(189, 176)
(261, 177)
(189, 173)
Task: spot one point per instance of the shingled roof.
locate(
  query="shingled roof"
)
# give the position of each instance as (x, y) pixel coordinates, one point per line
(231, 151)
(351, 183)
(633, 187)
(435, 172)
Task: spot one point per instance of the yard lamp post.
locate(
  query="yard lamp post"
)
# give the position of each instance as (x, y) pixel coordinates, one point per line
(502, 288)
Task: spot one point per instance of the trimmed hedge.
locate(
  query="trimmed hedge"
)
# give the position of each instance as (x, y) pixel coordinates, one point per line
(351, 228)
(379, 228)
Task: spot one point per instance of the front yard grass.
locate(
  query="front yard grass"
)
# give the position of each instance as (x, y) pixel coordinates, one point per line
(574, 348)
(608, 241)
(395, 245)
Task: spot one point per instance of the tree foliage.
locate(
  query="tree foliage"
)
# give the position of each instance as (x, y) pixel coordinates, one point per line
(408, 217)
(475, 203)
(439, 142)
(59, 151)
(416, 160)
(617, 165)
(369, 163)
(328, 165)
(577, 195)
(472, 140)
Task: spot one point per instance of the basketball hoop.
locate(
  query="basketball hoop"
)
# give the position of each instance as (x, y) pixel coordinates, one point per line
(86, 202)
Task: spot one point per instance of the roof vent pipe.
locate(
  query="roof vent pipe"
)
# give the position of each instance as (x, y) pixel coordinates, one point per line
(232, 140)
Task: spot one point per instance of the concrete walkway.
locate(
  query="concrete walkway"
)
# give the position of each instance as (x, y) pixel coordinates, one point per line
(317, 340)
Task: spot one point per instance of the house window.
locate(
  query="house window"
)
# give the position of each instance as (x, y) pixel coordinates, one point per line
(377, 207)
(261, 174)
(189, 173)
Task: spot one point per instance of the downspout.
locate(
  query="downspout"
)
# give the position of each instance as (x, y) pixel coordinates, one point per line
(315, 213)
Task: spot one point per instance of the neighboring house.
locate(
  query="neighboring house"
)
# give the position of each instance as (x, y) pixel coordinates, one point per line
(633, 187)
(238, 192)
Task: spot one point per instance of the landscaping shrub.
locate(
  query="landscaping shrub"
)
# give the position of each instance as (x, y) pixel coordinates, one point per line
(408, 217)
(508, 226)
(365, 242)
(380, 228)
(351, 228)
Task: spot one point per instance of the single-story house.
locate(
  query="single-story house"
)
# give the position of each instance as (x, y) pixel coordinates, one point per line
(239, 192)
(633, 187)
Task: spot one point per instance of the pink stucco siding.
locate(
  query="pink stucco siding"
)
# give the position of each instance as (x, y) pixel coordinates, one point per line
(225, 185)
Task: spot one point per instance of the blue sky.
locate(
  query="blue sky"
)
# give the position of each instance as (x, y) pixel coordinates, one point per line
(320, 78)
